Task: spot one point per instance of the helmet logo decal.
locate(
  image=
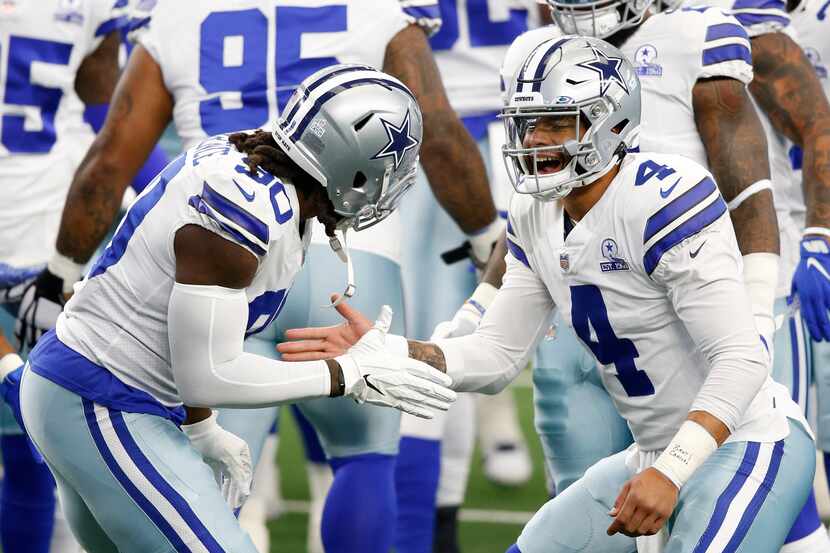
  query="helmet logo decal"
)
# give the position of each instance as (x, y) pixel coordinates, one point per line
(608, 69)
(400, 141)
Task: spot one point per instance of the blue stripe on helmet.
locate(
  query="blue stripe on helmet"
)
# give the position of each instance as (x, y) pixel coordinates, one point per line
(316, 84)
(540, 69)
(677, 207)
(318, 104)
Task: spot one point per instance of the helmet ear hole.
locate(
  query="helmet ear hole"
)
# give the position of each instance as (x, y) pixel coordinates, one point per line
(362, 123)
(359, 180)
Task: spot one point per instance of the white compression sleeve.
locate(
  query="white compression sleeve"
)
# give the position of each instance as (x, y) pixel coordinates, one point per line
(206, 328)
(761, 279)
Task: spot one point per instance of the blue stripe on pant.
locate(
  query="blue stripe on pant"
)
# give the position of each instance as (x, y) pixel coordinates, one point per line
(744, 498)
(128, 482)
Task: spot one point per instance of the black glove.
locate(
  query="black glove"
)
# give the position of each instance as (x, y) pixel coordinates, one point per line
(42, 302)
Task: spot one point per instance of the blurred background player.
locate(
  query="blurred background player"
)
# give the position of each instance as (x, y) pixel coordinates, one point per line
(468, 49)
(59, 59)
(207, 68)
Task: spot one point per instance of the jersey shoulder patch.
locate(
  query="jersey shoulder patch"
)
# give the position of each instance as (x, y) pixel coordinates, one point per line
(678, 198)
(249, 209)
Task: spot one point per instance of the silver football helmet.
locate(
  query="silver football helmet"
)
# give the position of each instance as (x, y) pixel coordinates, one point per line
(357, 131)
(589, 92)
(597, 18)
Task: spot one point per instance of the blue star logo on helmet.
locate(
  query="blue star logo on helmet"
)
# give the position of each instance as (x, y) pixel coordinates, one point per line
(608, 69)
(400, 141)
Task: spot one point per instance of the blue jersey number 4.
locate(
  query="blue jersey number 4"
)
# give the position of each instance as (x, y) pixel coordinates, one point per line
(588, 311)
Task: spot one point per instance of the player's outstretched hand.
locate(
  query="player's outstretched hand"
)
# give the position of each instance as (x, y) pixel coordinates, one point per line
(811, 283)
(644, 505)
(314, 344)
(227, 454)
(372, 375)
(42, 302)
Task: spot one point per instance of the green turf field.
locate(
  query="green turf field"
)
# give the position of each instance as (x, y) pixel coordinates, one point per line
(288, 532)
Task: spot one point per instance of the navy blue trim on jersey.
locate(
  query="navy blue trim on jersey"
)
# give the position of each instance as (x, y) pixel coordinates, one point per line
(510, 227)
(235, 213)
(111, 25)
(692, 226)
(313, 86)
(197, 203)
(677, 207)
(55, 361)
(750, 19)
(137, 23)
(120, 4)
(759, 5)
(326, 96)
(727, 52)
(518, 252)
(423, 12)
(725, 30)
(136, 214)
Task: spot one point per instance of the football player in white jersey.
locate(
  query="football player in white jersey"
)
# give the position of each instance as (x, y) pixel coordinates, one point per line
(435, 455)
(651, 282)
(204, 257)
(234, 64)
(56, 57)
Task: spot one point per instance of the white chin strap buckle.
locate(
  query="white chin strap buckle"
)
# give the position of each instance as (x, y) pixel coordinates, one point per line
(342, 251)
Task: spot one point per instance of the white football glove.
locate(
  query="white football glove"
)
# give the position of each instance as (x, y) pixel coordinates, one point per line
(227, 454)
(466, 319)
(13, 281)
(372, 375)
(483, 242)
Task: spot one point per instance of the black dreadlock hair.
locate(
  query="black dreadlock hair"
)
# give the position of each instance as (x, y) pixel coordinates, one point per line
(263, 153)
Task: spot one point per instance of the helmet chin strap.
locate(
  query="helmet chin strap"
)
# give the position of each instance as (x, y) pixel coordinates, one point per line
(341, 248)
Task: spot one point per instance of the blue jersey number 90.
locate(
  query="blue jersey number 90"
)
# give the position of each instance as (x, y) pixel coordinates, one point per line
(483, 31)
(233, 57)
(19, 91)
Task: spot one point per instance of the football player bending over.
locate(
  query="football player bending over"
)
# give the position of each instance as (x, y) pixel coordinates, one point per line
(652, 285)
(204, 257)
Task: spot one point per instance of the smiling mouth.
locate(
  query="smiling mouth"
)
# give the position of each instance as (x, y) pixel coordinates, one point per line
(549, 163)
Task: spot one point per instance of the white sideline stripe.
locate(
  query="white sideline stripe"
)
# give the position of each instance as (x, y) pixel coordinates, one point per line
(466, 515)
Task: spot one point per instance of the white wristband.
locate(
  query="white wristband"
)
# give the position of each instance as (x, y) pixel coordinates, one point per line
(8, 363)
(753, 188)
(483, 296)
(67, 269)
(816, 230)
(482, 241)
(689, 448)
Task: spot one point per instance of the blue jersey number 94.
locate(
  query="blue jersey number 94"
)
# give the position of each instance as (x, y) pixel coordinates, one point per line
(233, 57)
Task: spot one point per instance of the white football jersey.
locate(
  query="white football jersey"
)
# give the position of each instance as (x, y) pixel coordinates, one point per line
(235, 63)
(117, 317)
(671, 51)
(42, 45)
(470, 47)
(633, 277)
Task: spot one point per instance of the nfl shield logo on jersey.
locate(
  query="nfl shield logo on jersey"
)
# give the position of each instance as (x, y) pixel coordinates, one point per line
(564, 262)
(69, 11)
(646, 59)
(611, 252)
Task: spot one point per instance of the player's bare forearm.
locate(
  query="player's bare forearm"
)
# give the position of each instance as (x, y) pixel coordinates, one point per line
(98, 72)
(736, 149)
(140, 109)
(449, 154)
(429, 353)
(496, 267)
(712, 424)
(787, 89)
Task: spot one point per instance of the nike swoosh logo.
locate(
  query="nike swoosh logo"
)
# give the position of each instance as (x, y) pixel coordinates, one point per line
(697, 251)
(667, 193)
(372, 386)
(247, 195)
(811, 262)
